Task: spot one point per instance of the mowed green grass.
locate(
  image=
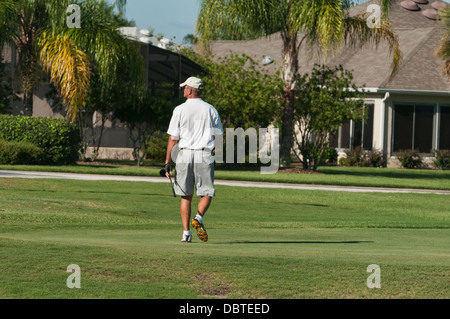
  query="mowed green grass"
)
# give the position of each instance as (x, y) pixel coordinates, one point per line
(264, 243)
(327, 175)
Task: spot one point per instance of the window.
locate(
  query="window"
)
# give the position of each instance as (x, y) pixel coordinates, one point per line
(355, 134)
(444, 128)
(423, 128)
(403, 127)
(363, 131)
(344, 131)
(413, 127)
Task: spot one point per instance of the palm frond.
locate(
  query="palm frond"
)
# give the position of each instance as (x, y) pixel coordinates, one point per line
(97, 47)
(104, 44)
(121, 5)
(323, 21)
(443, 51)
(8, 20)
(68, 67)
(237, 19)
(357, 32)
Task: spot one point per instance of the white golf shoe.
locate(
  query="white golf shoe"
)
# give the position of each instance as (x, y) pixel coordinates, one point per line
(186, 238)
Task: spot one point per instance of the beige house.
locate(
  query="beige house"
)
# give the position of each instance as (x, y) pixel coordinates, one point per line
(409, 111)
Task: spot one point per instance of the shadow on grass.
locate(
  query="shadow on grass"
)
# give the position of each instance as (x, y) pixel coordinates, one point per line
(94, 166)
(296, 242)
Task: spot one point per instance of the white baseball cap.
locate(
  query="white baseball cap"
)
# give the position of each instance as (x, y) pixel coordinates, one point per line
(193, 82)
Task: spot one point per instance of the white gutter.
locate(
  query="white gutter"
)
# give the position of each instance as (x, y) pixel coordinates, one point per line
(363, 90)
(413, 92)
(399, 91)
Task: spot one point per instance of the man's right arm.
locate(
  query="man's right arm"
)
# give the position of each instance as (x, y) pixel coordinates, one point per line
(170, 145)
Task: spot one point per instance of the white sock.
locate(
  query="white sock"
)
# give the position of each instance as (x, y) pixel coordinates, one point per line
(199, 218)
(187, 232)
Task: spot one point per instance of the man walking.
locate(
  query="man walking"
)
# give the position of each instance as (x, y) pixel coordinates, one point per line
(193, 126)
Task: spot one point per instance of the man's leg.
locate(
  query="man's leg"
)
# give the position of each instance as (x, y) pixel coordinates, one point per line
(185, 210)
(197, 222)
(204, 178)
(184, 186)
(203, 205)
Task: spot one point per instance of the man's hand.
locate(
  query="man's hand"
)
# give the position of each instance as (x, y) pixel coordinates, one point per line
(168, 169)
(170, 144)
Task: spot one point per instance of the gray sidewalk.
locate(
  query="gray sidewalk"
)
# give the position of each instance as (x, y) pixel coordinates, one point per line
(99, 177)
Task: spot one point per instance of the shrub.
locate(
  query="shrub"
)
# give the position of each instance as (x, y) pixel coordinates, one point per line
(59, 139)
(410, 159)
(442, 159)
(375, 158)
(359, 157)
(20, 153)
(353, 157)
(330, 155)
(157, 147)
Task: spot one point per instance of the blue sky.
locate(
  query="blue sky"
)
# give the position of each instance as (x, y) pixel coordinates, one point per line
(171, 18)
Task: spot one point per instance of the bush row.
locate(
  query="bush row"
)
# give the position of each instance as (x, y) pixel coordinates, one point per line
(58, 140)
(407, 159)
(359, 157)
(413, 159)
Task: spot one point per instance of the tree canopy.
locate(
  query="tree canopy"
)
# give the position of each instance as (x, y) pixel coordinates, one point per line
(325, 100)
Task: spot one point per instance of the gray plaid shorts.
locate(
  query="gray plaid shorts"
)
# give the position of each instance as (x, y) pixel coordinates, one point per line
(194, 169)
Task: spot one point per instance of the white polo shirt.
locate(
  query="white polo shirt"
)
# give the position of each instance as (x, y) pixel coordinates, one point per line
(194, 123)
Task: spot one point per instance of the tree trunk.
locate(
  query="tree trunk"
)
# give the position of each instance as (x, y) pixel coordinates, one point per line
(99, 141)
(290, 72)
(29, 75)
(287, 128)
(28, 103)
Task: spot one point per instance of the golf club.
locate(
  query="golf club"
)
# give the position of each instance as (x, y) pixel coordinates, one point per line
(163, 174)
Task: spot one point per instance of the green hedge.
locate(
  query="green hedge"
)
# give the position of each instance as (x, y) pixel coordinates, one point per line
(157, 147)
(59, 139)
(20, 153)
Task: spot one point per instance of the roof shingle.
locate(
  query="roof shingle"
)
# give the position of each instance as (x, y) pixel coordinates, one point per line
(418, 36)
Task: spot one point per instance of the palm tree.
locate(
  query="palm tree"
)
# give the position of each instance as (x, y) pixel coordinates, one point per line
(444, 48)
(321, 24)
(18, 20)
(43, 40)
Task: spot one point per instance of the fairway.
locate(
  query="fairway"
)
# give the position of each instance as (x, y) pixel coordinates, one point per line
(263, 243)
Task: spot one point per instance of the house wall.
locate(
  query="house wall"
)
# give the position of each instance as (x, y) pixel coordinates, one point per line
(41, 107)
(383, 130)
(377, 101)
(111, 153)
(413, 99)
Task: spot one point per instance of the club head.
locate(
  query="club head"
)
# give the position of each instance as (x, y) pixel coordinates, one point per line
(162, 172)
